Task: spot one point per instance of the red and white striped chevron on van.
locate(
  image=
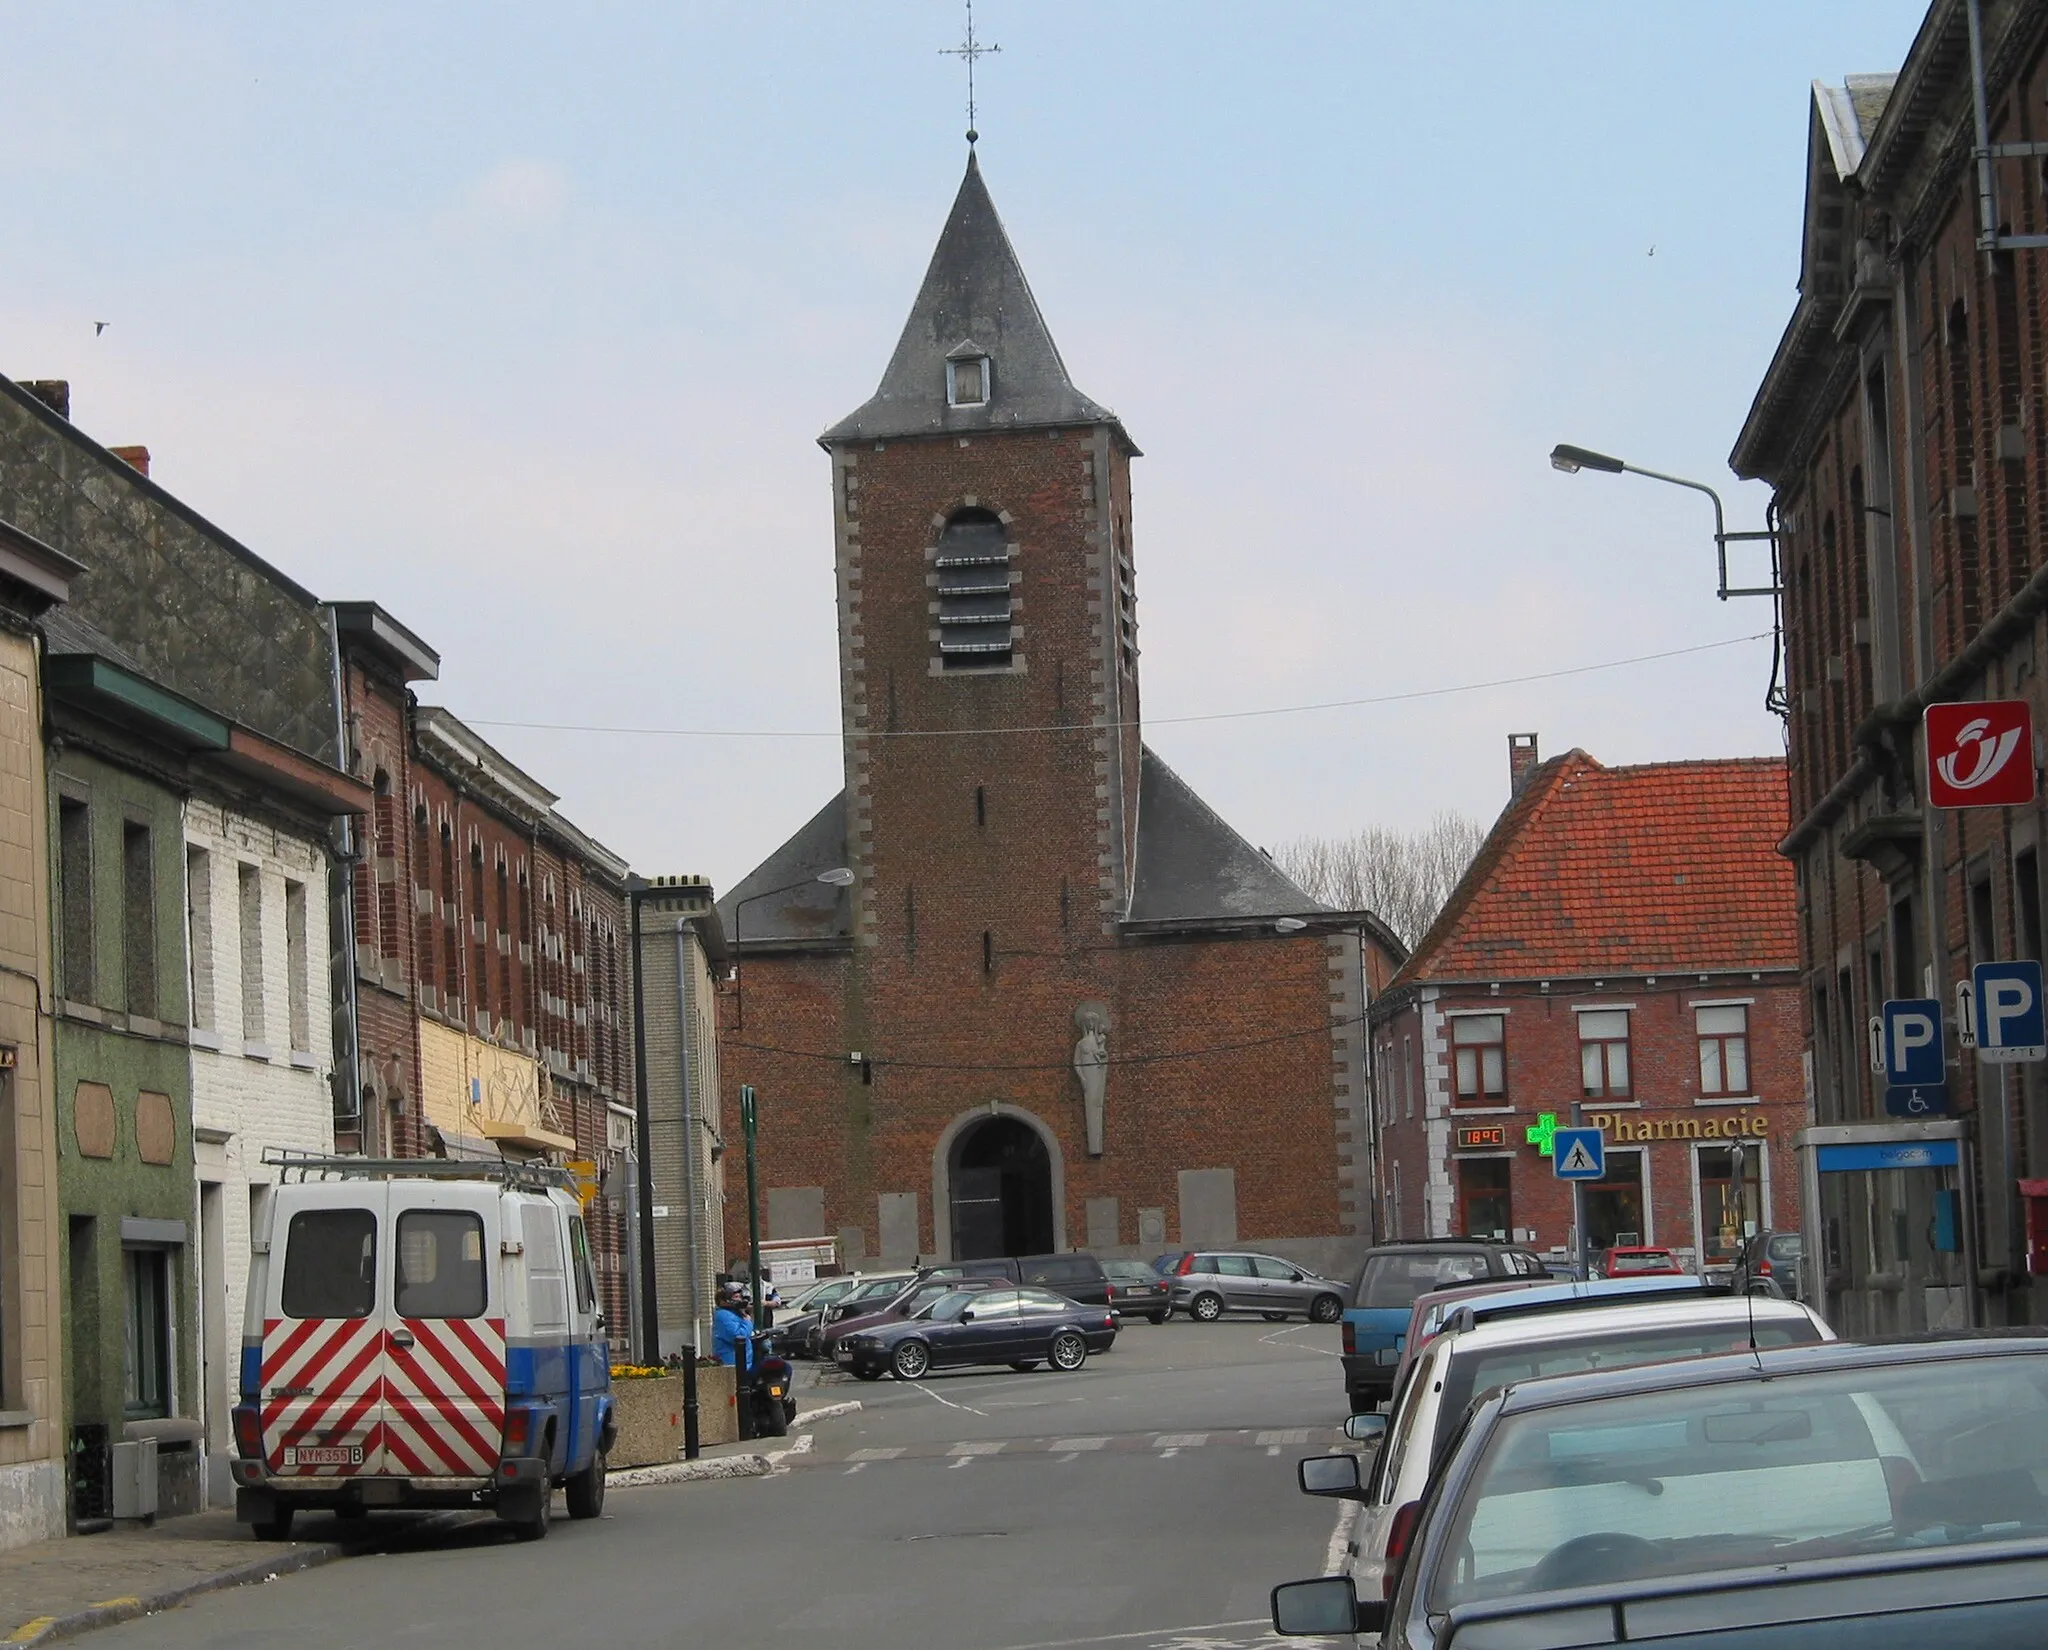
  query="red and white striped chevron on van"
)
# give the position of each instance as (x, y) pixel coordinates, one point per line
(444, 1396)
(323, 1390)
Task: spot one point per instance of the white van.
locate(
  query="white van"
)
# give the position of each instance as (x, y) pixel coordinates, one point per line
(421, 1333)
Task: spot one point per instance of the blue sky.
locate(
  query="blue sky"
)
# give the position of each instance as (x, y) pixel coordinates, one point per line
(523, 320)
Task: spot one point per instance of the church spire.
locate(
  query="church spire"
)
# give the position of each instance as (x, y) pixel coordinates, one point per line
(975, 353)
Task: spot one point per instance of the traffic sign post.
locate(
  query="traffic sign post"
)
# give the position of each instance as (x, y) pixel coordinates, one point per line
(1980, 753)
(1999, 1012)
(1910, 1049)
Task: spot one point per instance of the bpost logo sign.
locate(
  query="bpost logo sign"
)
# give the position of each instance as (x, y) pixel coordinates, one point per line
(1980, 754)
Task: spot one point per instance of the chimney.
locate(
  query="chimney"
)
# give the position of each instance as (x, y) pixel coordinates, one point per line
(54, 393)
(1521, 759)
(135, 457)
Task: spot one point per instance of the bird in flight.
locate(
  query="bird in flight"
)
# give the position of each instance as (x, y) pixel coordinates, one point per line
(98, 327)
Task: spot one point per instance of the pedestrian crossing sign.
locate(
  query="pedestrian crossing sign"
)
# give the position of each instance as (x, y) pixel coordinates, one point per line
(1581, 1154)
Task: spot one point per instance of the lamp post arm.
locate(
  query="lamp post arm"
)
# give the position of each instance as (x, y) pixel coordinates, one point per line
(1720, 520)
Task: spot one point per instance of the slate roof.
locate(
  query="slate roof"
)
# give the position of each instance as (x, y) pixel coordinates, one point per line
(1192, 865)
(810, 912)
(975, 294)
(1592, 870)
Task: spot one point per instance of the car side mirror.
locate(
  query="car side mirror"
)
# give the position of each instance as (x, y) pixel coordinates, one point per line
(1297, 1277)
(967, 1316)
(600, 1325)
(1335, 1476)
(1324, 1609)
(1366, 1429)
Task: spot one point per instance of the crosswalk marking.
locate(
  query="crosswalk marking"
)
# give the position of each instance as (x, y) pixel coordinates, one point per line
(875, 1454)
(975, 1449)
(1079, 1443)
(1284, 1435)
(1181, 1440)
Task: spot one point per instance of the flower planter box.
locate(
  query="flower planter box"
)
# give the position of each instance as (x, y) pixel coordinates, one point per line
(650, 1415)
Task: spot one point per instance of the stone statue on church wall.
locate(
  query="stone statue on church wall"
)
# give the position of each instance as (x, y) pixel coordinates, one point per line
(1091, 1066)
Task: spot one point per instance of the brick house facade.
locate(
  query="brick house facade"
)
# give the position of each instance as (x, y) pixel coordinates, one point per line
(1053, 1008)
(1623, 941)
(493, 992)
(1900, 427)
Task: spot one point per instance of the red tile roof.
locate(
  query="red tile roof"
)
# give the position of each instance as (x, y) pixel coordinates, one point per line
(1590, 870)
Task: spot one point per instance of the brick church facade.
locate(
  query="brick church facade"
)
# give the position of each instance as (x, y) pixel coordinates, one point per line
(1060, 1003)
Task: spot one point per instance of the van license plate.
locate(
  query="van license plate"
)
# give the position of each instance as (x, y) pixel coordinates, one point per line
(323, 1455)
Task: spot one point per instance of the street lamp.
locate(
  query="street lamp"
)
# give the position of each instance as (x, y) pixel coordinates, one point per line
(1571, 460)
(838, 877)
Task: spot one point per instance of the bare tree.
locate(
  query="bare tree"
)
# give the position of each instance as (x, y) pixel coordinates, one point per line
(1403, 877)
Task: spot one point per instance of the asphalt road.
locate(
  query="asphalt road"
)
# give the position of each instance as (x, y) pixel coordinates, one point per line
(1145, 1502)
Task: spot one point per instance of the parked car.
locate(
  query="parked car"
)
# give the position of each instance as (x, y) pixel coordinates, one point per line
(1639, 1260)
(1170, 1262)
(1446, 1375)
(1883, 1495)
(1136, 1289)
(1212, 1283)
(1076, 1274)
(907, 1302)
(1769, 1264)
(874, 1291)
(1019, 1327)
(1431, 1312)
(1388, 1282)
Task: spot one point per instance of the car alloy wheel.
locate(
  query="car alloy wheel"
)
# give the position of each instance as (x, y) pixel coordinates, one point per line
(1068, 1351)
(1325, 1309)
(1206, 1308)
(911, 1360)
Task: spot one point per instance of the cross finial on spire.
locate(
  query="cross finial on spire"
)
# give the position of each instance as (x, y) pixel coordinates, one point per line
(968, 50)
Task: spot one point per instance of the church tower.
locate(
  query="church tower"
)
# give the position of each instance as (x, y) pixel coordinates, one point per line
(1018, 989)
(987, 627)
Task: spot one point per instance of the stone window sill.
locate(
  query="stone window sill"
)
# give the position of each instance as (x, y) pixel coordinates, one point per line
(1482, 1111)
(303, 1060)
(17, 1418)
(1726, 1100)
(256, 1051)
(204, 1039)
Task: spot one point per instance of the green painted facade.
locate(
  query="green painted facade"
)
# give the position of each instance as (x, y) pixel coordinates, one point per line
(133, 1047)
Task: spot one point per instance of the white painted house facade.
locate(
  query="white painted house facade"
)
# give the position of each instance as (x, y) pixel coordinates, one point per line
(262, 1058)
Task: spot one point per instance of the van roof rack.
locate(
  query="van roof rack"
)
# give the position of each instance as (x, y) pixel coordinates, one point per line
(293, 1163)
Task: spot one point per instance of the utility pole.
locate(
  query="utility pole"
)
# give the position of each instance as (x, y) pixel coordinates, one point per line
(753, 1197)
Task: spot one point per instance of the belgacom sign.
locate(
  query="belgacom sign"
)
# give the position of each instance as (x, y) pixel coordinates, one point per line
(1980, 754)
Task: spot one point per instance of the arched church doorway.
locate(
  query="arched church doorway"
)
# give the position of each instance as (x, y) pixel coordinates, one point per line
(1001, 1182)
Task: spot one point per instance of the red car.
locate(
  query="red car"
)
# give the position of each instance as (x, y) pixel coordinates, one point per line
(1640, 1261)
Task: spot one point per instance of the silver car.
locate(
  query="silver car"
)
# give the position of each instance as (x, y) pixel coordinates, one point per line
(1211, 1283)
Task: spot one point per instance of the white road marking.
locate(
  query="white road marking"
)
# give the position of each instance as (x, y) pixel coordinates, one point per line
(1163, 1454)
(1272, 1449)
(977, 1449)
(964, 1461)
(1147, 1633)
(876, 1454)
(1062, 1460)
(1340, 1539)
(1181, 1440)
(858, 1466)
(919, 1386)
(1284, 1435)
(1080, 1443)
(1296, 1346)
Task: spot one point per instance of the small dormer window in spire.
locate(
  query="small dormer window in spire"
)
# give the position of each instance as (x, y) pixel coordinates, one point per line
(967, 375)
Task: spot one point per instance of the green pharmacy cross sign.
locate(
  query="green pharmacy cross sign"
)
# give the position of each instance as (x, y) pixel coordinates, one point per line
(1542, 1134)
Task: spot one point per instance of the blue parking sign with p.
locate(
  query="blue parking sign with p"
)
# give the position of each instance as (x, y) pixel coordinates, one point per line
(2006, 1009)
(1914, 1051)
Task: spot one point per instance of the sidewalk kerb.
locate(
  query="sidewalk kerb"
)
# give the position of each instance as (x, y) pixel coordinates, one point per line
(825, 1412)
(685, 1472)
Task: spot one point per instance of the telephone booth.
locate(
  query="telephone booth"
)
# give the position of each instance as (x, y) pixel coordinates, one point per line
(1890, 1248)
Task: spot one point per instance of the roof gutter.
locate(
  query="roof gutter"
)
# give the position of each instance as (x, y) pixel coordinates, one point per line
(1874, 736)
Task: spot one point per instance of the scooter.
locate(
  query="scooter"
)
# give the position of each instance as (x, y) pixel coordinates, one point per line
(766, 1406)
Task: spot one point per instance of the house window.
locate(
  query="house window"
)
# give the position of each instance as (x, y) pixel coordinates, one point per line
(199, 928)
(298, 984)
(74, 886)
(1483, 1196)
(1724, 1049)
(1731, 1197)
(1603, 1054)
(138, 919)
(1478, 1041)
(1408, 1079)
(967, 381)
(250, 881)
(146, 1371)
(975, 601)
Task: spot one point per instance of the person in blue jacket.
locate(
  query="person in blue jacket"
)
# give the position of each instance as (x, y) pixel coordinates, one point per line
(731, 1332)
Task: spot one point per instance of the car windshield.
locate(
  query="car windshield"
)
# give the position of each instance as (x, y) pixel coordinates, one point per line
(1639, 1260)
(1790, 1246)
(1130, 1271)
(1473, 1370)
(1705, 1478)
(1391, 1282)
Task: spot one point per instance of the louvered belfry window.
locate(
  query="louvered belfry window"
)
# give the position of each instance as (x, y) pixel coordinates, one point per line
(975, 604)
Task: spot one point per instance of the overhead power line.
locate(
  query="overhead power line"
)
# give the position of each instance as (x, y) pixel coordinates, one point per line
(1151, 721)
